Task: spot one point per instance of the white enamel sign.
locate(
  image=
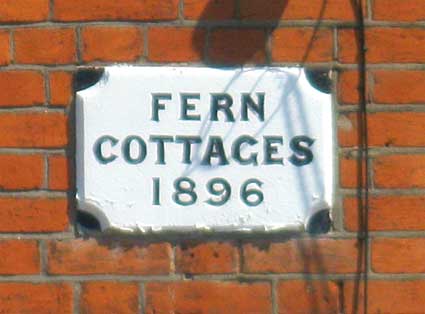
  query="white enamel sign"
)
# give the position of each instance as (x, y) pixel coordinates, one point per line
(187, 148)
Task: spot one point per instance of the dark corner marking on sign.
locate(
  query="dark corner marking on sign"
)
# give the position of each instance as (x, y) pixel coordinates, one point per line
(86, 223)
(87, 77)
(319, 79)
(320, 222)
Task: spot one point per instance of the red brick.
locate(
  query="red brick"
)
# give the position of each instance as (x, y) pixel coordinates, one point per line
(380, 45)
(348, 87)
(397, 129)
(209, 10)
(398, 255)
(237, 46)
(21, 172)
(24, 10)
(348, 45)
(80, 257)
(21, 88)
(45, 46)
(300, 256)
(109, 297)
(300, 297)
(296, 10)
(19, 257)
(33, 214)
(171, 44)
(348, 130)
(61, 93)
(207, 258)
(349, 172)
(46, 298)
(33, 130)
(208, 297)
(302, 45)
(385, 129)
(388, 213)
(112, 43)
(386, 296)
(4, 47)
(58, 173)
(399, 87)
(400, 171)
(91, 10)
(393, 10)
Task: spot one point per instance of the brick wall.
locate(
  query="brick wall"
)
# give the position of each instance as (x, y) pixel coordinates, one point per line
(45, 268)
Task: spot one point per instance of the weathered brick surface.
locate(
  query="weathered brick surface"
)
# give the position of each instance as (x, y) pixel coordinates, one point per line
(33, 214)
(59, 175)
(207, 297)
(348, 87)
(24, 10)
(349, 172)
(112, 44)
(61, 93)
(300, 256)
(399, 87)
(296, 10)
(109, 297)
(209, 10)
(79, 257)
(380, 45)
(398, 255)
(385, 296)
(237, 46)
(28, 168)
(45, 298)
(91, 10)
(45, 46)
(302, 45)
(400, 171)
(21, 88)
(393, 10)
(33, 129)
(298, 297)
(170, 44)
(384, 129)
(4, 48)
(409, 215)
(19, 257)
(210, 258)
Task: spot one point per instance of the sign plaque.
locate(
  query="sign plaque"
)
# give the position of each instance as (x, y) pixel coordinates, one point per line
(195, 148)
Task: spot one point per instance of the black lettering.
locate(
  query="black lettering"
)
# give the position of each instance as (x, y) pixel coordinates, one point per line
(303, 155)
(157, 105)
(236, 150)
(215, 149)
(187, 142)
(258, 108)
(221, 102)
(160, 146)
(270, 149)
(126, 149)
(97, 149)
(186, 106)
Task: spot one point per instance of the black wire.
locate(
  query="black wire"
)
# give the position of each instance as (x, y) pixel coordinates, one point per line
(363, 158)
